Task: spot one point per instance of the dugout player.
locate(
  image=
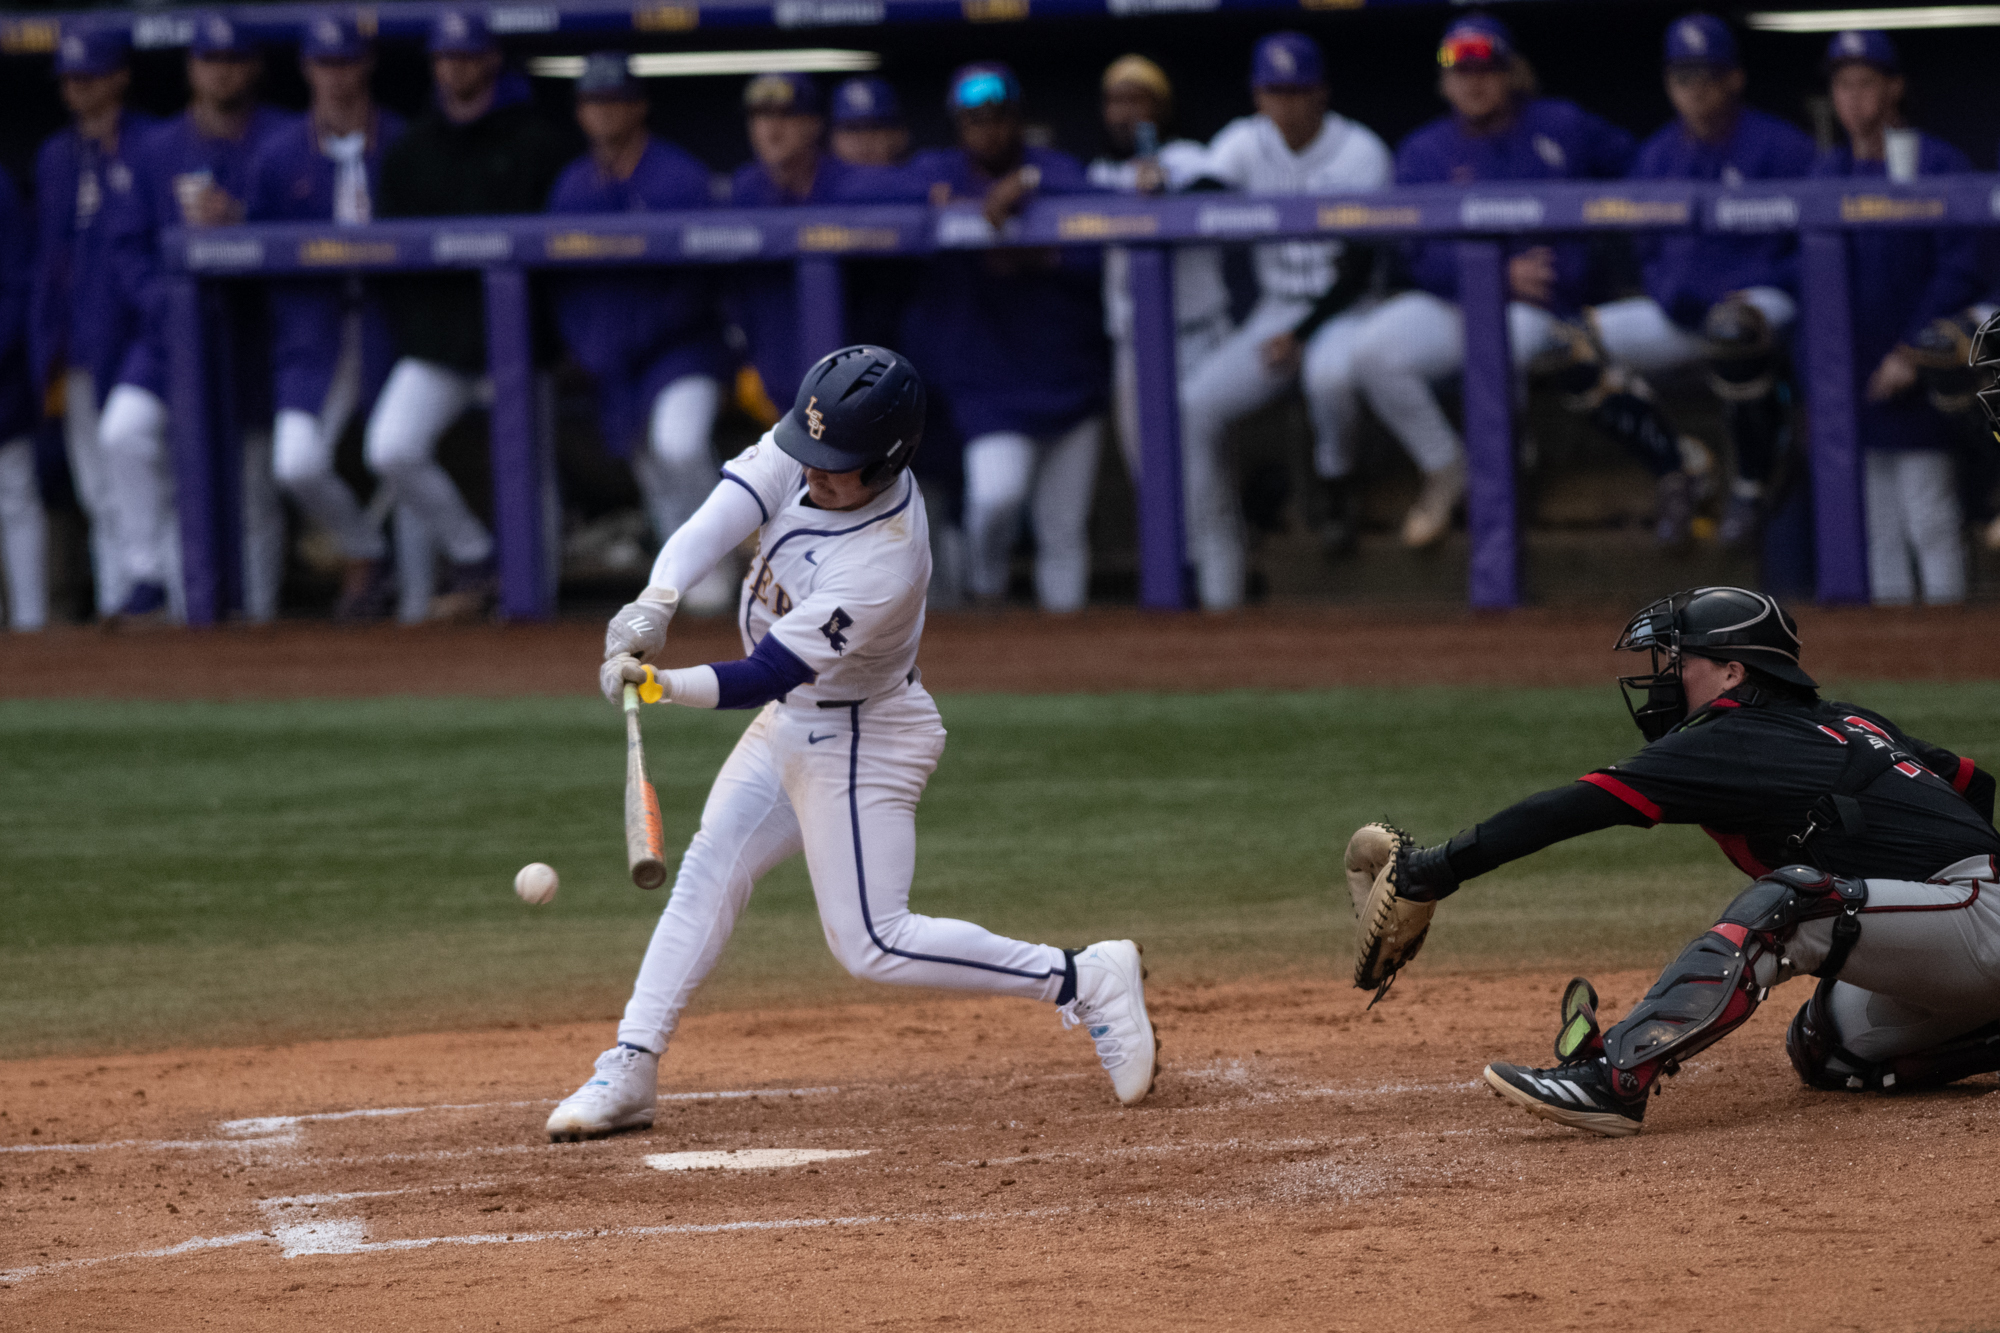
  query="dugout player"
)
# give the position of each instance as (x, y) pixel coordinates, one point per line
(868, 129)
(1499, 129)
(1015, 339)
(841, 748)
(1873, 864)
(1138, 107)
(1725, 303)
(23, 525)
(78, 325)
(1899, 282)
(330, 340)
(193, 171)
(480, 150)
(1312, 306)
(651, 338)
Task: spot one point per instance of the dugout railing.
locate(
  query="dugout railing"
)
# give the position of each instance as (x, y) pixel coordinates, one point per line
(817, 241)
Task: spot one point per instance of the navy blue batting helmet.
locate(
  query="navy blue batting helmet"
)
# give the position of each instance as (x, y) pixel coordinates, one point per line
(860, 409)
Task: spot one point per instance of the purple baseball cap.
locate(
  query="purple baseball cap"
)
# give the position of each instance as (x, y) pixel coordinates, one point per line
(982, 84)
(1287, 60)
(866, 101)
(461, 32)
(332, 38)
(216, 38)
(1701, 39)
(1864, 46)
(782, 95)
(1476, 41)
(88, 53)
(608, 77)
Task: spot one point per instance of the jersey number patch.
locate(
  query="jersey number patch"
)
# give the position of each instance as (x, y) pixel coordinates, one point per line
(835, 623)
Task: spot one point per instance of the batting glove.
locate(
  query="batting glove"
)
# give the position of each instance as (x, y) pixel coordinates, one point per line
(616, 674)
(640, 627)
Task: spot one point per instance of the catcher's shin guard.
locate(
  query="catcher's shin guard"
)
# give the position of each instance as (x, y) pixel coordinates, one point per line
(1719, 980)
(1813, 1043)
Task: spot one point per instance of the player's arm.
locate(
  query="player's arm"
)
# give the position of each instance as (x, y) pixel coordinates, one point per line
(1357, 274)
(1526, 827)
(1967, 778)
(731, 512)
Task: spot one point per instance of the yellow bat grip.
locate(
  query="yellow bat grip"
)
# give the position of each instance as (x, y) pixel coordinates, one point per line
(652, 692)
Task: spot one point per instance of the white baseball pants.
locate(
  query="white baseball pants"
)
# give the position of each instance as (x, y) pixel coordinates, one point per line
(1913, 515)
(89, 475)
(1232, 381)
(24, 536)
(1053, 479)
(133, 437)
(1410, 343)
(303, 445)
(415, 409)
(676, 469)
(1637, 333)
(841, 785)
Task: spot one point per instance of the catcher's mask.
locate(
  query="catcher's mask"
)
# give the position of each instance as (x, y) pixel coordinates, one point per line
(1984, 358)
(1721, 624)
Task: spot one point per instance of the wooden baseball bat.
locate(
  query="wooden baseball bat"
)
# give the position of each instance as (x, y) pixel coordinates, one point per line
(645, 844)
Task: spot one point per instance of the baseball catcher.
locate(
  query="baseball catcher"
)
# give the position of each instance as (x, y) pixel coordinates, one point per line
(1874, 866)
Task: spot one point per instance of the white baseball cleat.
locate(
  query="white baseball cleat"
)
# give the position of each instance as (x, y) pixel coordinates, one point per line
(1110, 1003)
(620, 1095)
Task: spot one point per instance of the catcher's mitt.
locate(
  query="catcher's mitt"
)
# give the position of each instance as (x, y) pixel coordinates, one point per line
(1388, 928)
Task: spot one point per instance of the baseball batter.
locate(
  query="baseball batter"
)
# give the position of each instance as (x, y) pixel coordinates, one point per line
(1874, 861)
(842, 745)
(1309, 314)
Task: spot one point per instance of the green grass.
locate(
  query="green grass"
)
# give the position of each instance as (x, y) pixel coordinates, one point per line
(203, 873)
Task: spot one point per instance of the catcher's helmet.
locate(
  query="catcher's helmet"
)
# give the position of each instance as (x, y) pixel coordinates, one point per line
(860, 409)
(1984, 358)
(1721, 624)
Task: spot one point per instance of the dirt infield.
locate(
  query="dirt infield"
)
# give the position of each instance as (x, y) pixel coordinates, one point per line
(1290, 648)
(1302, 1164)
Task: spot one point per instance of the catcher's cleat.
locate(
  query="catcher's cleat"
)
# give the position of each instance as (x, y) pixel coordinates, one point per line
(1576, 1094)
(620, 1095)
(1579, 1038)
(1110, 1003)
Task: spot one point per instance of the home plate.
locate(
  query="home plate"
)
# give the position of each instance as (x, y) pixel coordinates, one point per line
(747, 1159)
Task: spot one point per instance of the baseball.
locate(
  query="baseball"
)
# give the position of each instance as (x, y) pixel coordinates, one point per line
(536, 883)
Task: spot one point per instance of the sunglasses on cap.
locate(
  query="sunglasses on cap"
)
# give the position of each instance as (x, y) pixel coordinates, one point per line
(1472, 49)
(984, 89)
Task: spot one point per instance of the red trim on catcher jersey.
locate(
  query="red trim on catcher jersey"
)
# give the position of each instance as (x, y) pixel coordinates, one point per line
(1963, 778)
(1864, 722)
(1736, 847)
(1910, 770)
(1831, 732)
(1623, 793)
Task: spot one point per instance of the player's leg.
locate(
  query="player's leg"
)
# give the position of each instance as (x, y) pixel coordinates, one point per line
(93, 488)
(1927, 484)
(1229, 382)
(263, 530)
(747, 827)
(1333, 399)
(302, 457)
(24, 536)
(1409, 343)
(677, 470)
(1059, 511)
(416, 407)
(999, 471)
(1746, 337)
(855, 775)
(1890, 580)
(133, 437)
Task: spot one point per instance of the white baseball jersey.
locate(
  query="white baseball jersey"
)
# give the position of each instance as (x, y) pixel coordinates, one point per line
(1200, 294)
(1346, 156)
(844, 592)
